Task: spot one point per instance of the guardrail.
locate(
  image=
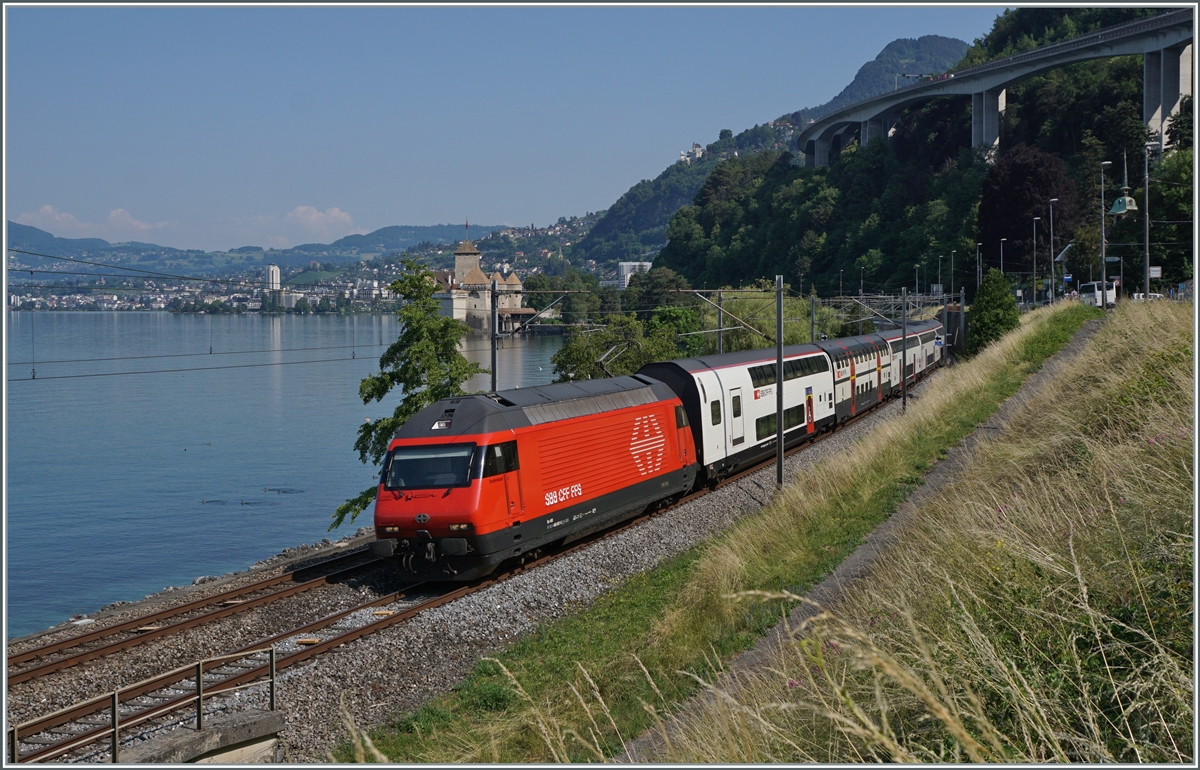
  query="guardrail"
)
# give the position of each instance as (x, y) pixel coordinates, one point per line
(113, 731)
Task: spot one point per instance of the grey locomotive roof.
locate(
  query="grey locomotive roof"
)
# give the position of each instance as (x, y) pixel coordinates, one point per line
(523, 407)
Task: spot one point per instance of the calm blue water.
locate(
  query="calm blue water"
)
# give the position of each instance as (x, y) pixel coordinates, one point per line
(120, 485)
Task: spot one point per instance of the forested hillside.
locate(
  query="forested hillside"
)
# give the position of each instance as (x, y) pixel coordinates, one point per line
(886, 210)
(636, 225)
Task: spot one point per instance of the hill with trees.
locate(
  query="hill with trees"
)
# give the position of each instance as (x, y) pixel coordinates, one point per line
(899, 208)
(635, 227)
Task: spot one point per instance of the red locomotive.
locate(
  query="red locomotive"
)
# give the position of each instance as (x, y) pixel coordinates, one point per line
(474, 481)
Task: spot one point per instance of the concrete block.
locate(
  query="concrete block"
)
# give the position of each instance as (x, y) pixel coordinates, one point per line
(243, 737)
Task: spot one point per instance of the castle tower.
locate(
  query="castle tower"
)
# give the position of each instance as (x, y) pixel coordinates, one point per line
(466, 259)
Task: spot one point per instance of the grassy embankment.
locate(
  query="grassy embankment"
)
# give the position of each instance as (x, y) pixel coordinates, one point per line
(1040, 609)
(582, 686)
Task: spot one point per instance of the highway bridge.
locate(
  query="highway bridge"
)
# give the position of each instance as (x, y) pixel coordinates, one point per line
(1165, 42)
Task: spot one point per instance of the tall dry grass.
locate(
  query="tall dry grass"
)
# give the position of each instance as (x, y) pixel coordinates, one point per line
(1038, 609)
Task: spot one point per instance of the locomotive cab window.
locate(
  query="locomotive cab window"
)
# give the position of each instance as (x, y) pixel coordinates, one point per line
(716, 413)
(681, 420)
(428, 466)
(500, 458)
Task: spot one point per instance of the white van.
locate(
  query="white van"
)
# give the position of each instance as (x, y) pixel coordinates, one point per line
(1089, 294)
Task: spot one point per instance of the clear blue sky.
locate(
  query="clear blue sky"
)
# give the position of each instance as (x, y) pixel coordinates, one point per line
(219, 127)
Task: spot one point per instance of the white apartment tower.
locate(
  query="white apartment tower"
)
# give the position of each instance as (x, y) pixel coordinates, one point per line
(272, 283)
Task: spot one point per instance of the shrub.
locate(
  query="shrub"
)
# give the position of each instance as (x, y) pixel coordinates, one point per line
(994, 313)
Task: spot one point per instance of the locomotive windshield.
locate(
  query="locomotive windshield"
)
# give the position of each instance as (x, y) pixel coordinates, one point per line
(428, 466)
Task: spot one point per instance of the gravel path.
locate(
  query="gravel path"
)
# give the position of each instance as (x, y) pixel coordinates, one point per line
(401, 668)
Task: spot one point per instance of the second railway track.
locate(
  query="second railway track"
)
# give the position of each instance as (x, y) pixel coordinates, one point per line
(73, 651)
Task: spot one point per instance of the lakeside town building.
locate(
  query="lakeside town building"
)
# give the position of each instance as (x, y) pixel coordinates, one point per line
(465, 293)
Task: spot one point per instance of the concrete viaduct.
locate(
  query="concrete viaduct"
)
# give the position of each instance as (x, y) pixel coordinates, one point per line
(1165, 42)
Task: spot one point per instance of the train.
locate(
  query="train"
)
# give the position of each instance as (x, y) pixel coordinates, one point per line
(472, 482)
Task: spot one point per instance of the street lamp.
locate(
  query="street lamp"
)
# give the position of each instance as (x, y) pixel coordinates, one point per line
(940, 269)
(1002, 240)
(1035, 221)
(1053, 277)
(861, 270)
(841, 274)
(1146, 216)
(952, 251)
(1103, 243)
(916, 279)
(978, 266)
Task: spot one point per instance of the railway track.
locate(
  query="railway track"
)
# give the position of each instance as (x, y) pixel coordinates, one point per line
(65, 731)
(75, 650)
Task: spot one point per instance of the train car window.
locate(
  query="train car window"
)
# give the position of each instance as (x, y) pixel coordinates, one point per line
(680, 417)
(737, 406)
(716, 413)
(764, 427)
(428, 466)
(500, 458)
(763, 375)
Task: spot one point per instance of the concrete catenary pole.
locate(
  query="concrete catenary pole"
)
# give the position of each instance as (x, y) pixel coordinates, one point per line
(720, 323)
(903, 349)
(779, 380)
(1146, 217)
(1035, 221)
(1053, 270)
(1103, 243)
(495, 333)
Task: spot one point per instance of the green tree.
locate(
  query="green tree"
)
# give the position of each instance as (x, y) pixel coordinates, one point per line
(994, 313)
(424, 362)
(622, 346)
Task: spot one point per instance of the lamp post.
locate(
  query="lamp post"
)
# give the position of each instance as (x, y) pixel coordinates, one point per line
(1035, 221)
(841, 275)
(1053, 272)
(978, 266)
(940, 269)
(1103, 242)
(861, 271)
(916, 279)
(952, 252)
(1146, 216)
(1002, 240)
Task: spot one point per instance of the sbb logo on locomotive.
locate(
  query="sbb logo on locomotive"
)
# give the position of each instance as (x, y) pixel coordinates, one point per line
(647, 444)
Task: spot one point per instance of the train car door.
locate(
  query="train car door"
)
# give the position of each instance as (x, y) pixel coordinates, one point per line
(810, 425)
(736, 429)
(853, 386)
(502, 459)
(878, 376)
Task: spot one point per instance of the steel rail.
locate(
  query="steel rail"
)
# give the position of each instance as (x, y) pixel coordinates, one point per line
(69, 715)
(144, 620)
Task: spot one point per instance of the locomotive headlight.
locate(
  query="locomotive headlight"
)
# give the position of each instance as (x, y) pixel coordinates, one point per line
(390, 530)
(461, 527)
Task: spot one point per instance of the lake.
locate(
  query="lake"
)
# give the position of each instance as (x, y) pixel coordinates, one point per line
(120, 483)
